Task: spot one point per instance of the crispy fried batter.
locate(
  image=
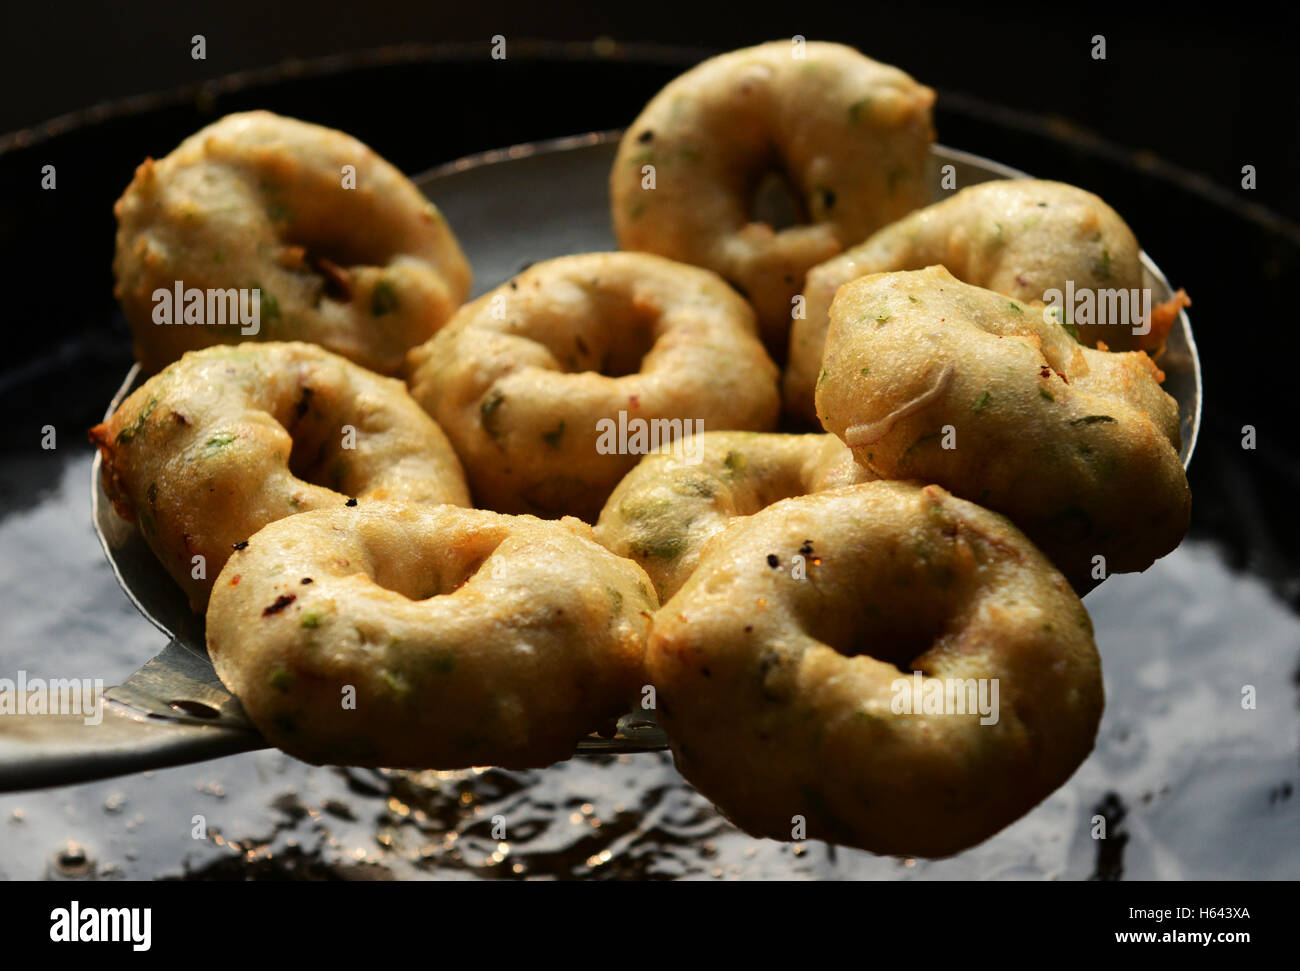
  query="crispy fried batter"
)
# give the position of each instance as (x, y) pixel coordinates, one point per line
(396, 634)
(929, 378)
(672, 503)
(527, 379)
(851, 137)
(228, 439)
(256, 200)
(1020, 237)
(782, 695)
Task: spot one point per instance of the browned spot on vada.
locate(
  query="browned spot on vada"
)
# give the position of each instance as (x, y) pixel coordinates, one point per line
(429, 637)
(666, 508)
(230, 438)
(553, 385)
(929, 378)
(1020, 237)
(849, 135)
(791, 703)
(366, 267)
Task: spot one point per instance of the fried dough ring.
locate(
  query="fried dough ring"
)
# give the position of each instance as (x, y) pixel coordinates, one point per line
(521, 377)
(256, 200)
(228, 439)
(778, 694)
(466, 637)
(1078, 447)
(850, 136)
(665, 509)
(1020, 237)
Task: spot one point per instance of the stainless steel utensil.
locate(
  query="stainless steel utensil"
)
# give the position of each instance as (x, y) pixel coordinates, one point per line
(510, 207)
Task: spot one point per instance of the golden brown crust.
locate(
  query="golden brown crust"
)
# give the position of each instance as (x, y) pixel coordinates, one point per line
(1020, 237)
(788, 701)
(228, 439)
(396, 634)
(258, 201)
(928, 378)
(667, 508)
(851, 135)
(543, 383)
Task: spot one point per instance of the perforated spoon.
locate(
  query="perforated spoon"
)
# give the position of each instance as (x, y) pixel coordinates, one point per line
(510, 207)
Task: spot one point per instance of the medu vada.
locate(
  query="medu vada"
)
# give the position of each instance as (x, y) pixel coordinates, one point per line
(342, 249)
(931, 680)
(848, 136)
(926, 377)
(554, 384)
(665, 509)
(1020, 237)
(229, 438)
(404, 635)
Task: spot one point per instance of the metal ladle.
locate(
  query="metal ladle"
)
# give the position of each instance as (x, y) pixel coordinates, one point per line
(510, 207)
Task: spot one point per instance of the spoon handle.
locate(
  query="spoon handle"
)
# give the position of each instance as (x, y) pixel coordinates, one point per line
(172, 711)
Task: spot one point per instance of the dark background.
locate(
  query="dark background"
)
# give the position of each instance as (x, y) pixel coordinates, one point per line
(1161, 129)
(1208, 87)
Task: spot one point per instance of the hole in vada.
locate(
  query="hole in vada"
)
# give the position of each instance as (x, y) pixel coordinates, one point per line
(776, 201)
(893, 633)
(619, 334)
(434, 577)
(635, 339)
(318, 455)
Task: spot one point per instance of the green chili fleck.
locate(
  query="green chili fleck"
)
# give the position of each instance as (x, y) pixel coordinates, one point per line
(661, 547)
(383, 299)
(907, 455)
(219, 441)
(137, 426)
(1091, 419)
(1102, 266)
(697, 486)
